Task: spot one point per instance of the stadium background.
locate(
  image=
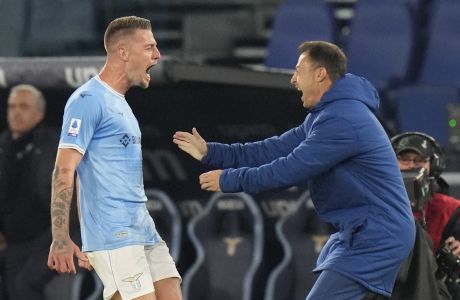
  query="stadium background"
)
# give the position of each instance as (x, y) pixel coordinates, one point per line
(220, 72)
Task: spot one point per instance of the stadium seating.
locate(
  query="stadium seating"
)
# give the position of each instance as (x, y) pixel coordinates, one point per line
(61, 27)
(87, 286)
(83, 286)
(167, 219)
(381, 40)
(297, 21)
(424, 108)
(274, 205)
(302, 235)
(441, 64)
(228, 237)
(210, 35)
(12, 24)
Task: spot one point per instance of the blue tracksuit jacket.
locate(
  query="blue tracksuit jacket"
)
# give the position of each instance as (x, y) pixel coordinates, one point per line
(345, 156)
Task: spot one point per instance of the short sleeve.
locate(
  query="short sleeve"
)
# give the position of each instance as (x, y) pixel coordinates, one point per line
(82, 116)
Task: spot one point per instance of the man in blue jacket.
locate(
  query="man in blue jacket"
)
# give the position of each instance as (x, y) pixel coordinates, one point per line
(344, 155)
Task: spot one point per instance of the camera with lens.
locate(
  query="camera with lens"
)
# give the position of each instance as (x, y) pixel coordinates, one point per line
(448, 265)
(419, 187)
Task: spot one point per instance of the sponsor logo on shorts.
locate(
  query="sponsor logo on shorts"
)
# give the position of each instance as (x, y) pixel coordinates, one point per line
(134, 280)
(74, 127)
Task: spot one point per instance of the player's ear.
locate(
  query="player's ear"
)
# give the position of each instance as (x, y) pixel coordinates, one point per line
(123, 52)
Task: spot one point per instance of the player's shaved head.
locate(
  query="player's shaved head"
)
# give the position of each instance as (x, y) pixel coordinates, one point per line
(121, 28)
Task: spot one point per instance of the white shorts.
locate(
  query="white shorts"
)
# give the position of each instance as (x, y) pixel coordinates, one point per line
(132, 270)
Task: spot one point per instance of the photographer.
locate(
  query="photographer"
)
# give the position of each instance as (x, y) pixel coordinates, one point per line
(422, 160)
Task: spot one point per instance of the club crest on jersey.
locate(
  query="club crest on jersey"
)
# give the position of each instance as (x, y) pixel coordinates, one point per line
(74, 127)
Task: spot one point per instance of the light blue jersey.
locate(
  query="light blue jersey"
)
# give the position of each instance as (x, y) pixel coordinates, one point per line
(99, 123)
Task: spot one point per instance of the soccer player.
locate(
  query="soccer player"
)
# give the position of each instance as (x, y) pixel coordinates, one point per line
(101, 141)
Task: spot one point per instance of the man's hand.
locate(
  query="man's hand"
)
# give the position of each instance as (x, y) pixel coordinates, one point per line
(83, 262)
(61, 256)
(454, 246)
(192, 143)
(209, 181)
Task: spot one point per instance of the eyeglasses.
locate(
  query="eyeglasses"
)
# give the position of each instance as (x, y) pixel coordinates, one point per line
(418, 162)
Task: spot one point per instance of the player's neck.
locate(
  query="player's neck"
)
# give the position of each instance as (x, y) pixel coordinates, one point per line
(114, 78)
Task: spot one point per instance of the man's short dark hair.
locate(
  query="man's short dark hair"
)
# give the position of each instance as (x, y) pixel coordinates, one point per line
(122, 26)
(327, 55)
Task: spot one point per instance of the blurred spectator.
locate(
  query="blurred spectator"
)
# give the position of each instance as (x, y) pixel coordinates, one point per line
(27, 154)
(436, 211)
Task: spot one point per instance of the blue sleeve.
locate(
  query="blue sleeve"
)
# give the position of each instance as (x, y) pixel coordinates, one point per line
(331, 141)
(253, 154)
(82, 116)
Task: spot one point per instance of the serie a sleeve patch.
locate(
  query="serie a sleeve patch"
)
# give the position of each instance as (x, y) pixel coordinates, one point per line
(74, 127)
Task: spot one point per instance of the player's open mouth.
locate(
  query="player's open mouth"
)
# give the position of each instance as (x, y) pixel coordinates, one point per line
(147, 71)
(149, 68)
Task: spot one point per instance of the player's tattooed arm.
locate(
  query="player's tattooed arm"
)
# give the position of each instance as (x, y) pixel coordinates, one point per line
(61, 198)
(63, 249)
